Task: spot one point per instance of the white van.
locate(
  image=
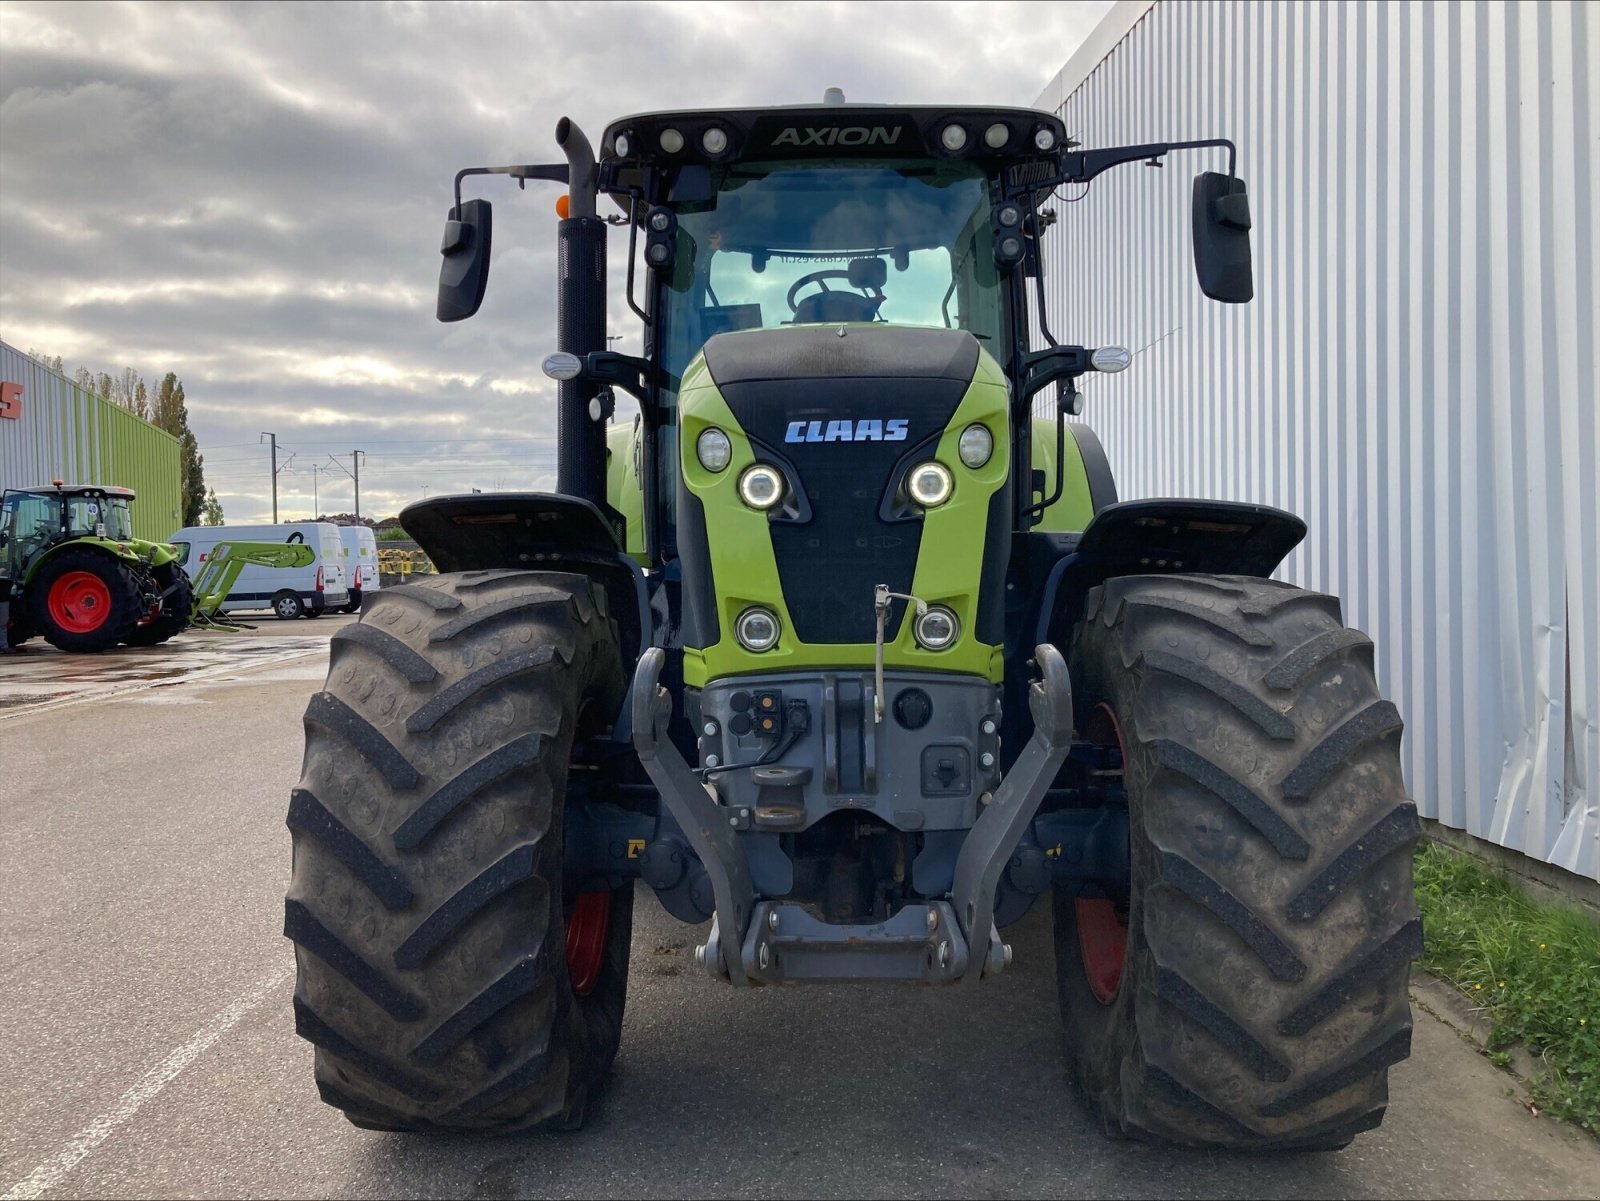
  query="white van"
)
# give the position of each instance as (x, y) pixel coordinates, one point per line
(360, 563)
(287, 591)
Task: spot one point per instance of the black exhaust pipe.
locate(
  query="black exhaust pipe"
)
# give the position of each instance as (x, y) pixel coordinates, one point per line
(580, 322)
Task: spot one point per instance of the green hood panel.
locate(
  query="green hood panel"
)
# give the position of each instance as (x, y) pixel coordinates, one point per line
(743, 566)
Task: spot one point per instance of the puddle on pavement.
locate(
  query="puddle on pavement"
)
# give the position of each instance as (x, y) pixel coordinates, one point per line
(45, 678)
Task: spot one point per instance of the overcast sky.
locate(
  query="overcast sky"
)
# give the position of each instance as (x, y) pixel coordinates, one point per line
(252, 196)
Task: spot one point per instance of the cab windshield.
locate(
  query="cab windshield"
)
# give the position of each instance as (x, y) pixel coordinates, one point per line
(824, 241)
(86, 513)
(905, 243)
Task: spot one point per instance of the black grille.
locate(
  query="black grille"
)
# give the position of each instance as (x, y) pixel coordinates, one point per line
(830, 564)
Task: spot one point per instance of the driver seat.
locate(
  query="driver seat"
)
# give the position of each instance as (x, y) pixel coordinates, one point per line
(828, 307)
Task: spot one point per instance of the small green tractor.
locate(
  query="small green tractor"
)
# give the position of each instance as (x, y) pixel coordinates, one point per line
(850, 659)
(80, 578)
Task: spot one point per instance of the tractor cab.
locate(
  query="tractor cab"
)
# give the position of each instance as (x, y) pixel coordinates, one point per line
(35, 519)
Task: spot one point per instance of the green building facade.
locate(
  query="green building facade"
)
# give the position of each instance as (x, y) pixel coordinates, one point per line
(51, 429)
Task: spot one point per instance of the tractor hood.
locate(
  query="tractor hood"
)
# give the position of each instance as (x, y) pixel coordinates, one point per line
(843, 413)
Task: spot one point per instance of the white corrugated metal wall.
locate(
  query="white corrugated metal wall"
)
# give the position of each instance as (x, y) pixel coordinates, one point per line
(1417, 376)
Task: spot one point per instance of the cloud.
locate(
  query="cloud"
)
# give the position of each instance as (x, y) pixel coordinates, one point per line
(251, 195)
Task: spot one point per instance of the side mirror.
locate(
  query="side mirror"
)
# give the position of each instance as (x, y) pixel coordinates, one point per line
(464, 274)
(1222, 237)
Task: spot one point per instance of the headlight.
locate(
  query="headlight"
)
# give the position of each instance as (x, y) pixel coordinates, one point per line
(975, 445)
(757, 630)
(761, 486)
(929, 484)
(953, 137)
(713, 449)
(937, 628)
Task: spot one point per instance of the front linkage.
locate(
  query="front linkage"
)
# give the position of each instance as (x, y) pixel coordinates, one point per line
(769, 942)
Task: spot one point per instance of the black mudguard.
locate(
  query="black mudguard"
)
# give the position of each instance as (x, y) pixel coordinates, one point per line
(535, 531)
(1163, 537)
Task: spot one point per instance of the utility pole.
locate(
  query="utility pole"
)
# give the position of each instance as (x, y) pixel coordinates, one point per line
(274, 438)
(316, 505)
(355, 460)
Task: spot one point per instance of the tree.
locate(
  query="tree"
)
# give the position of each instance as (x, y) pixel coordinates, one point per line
(171, 414)
(211, 513)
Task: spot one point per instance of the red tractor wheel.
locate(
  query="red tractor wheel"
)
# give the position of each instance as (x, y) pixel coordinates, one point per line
(84, 600)
(80, 602)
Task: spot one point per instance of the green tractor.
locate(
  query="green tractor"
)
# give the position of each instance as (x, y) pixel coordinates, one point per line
(851, 659)
(79, 577)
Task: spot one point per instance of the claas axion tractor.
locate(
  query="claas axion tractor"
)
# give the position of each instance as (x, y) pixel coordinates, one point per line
(849, 657)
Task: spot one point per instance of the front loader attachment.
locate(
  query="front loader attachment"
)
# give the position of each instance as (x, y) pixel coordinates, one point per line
(214, 580)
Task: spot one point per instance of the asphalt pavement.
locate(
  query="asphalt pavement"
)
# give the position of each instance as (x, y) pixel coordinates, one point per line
(147, 1045)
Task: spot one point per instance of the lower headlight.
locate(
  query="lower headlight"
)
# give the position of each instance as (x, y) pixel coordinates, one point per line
(761, 486)
(929, 484)
(936, 629)
(757, 629)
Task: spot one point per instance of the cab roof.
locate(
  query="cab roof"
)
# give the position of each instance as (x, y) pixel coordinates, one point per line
(72, 489)
(992, 135)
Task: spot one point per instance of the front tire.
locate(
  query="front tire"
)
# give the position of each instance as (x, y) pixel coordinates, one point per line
(175, 609)
(1248, 989)
(440, 978)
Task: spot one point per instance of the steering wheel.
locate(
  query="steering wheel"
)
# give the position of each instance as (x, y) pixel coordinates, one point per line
(828, 305)
(816, 277)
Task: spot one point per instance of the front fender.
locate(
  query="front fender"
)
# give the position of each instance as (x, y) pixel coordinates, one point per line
(1161, 537)
(535, 531)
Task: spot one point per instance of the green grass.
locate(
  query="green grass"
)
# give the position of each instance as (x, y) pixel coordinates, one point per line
(1534, 969)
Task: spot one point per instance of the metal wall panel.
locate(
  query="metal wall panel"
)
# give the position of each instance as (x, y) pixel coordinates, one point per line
(1419, 372)
(68, 434)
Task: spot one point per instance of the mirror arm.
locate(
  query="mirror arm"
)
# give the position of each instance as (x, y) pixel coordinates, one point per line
(1081, 166)
(553, 172)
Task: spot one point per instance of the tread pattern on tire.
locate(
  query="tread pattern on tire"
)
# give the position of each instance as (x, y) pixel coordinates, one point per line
(1265, 990)
(425, 897)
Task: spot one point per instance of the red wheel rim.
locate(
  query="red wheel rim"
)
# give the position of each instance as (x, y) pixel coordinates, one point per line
(1102, 935)
(1102, 940)
(588, 922)
(79, 602)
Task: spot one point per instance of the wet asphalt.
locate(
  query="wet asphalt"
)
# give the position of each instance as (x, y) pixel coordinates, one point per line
(147, 1045)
